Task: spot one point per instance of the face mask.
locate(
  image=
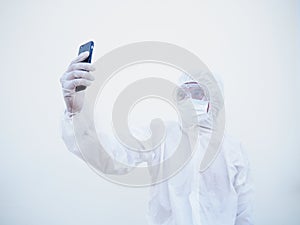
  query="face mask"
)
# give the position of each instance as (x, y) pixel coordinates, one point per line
(200, 106)
(192, 116)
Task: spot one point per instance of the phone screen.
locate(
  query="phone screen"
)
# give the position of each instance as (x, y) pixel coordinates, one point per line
(89, 46)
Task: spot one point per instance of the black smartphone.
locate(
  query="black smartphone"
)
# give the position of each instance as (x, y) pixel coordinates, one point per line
(89, 46)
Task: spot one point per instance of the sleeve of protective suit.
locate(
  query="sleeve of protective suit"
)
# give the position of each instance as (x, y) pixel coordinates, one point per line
(100, 158)
(68, 135)
(244, 188)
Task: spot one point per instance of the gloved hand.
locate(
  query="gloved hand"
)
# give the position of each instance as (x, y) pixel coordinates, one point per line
(78, 73)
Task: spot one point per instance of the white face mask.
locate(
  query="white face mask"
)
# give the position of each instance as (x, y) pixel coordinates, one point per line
(191, 117)
(200, 106)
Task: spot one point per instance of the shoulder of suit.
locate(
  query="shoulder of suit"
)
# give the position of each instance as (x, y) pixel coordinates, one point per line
(231, 147)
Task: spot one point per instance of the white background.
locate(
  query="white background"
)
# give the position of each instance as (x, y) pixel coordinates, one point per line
(254, 45)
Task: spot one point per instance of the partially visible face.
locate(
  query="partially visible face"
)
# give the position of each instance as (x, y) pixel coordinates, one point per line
(191, 90)
(197, 108)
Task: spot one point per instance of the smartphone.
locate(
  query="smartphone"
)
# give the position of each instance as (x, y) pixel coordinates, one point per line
(89, 46)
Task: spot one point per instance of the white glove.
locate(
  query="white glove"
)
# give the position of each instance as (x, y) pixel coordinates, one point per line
(78, 73)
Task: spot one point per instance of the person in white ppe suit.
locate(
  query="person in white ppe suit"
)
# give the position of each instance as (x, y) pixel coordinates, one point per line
(221, 195)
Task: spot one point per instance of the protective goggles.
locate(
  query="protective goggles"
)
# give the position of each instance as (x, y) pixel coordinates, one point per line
(191, 90)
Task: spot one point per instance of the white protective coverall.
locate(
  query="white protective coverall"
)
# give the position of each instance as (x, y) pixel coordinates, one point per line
(219, 196)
